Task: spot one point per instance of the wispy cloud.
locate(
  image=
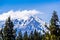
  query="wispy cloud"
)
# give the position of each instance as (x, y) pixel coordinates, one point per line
(24, 14)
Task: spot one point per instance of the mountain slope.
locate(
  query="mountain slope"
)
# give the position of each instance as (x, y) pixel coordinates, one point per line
(28, 25)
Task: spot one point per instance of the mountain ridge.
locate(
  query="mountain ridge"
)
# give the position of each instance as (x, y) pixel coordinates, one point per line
(32, 23)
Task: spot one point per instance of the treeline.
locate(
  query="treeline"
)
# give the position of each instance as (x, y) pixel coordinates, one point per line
(8, 32)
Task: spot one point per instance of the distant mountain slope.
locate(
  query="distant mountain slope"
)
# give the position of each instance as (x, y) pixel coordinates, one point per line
(28, 25)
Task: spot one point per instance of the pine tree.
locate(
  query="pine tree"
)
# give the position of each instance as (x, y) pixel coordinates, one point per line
(54, 26)
(36, 35)
(9, 32)
(31, 37)
(1, 35)
(19, 37)
(39, 36)
(53, 23)
(46, 36)
(25, 36)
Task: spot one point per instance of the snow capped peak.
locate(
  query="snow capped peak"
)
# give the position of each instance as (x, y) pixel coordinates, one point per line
(24, 20)
(39, 20)
(32, 23)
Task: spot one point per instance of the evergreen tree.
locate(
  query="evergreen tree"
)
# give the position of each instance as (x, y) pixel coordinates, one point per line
(31, 37)
(39, 36)
(53, 23)
(25, 36)
(9, 32)
(36, 35)
(46, 36)
(19, 37)
(54, 26)
(1, 35)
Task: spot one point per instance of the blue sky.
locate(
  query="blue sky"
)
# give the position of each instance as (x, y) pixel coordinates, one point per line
(45, 6)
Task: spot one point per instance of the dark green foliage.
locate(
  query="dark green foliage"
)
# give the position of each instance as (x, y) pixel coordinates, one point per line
(37, 35)
(31, 36)
(1, 35)
(9, 32)
(25, 36)
(54, 27)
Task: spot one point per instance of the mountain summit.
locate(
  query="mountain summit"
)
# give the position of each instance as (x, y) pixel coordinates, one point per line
(30, 24)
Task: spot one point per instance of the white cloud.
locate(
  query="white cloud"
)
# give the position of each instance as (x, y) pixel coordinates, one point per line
(24, 14)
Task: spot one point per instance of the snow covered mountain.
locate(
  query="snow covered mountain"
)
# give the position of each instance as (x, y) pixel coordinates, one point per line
(28, 25)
